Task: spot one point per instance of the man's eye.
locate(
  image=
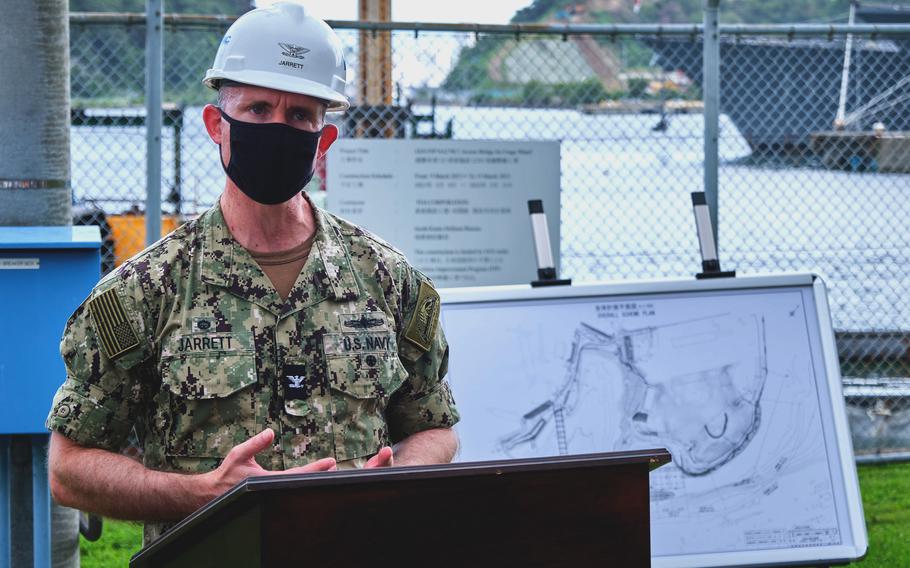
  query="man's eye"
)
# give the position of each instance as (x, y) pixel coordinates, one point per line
(257, 109)
(301, 116)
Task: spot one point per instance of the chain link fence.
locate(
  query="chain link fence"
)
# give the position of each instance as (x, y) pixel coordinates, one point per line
(796, 193)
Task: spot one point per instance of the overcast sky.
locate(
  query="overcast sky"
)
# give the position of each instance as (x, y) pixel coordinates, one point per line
(474, 11)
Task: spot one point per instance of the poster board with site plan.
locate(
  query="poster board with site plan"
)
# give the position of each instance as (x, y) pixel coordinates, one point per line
(737, 377)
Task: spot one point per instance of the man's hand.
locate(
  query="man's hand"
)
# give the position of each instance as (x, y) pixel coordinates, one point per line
(116, 486)
(240, 463)
(383, 458)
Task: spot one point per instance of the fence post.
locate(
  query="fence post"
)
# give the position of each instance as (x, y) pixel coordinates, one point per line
(154, 62)
(6, 558)
(711, 95)
(41, 502)
(845, 73)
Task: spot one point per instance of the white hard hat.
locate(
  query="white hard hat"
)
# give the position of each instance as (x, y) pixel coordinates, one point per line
(282, 47)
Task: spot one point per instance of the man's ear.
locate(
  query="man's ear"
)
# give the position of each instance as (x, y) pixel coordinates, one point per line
(212, 119)
(329, 135)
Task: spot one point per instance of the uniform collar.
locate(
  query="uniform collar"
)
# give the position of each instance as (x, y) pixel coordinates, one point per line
(326, 274)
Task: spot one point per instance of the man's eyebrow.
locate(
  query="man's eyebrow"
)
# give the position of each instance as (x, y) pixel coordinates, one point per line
(251, 102)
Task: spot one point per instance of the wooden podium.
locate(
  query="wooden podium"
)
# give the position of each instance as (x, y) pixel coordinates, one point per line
(565, 511)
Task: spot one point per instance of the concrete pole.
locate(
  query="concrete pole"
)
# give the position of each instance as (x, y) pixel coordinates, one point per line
(711, 93)
(34, 122)
(34, 190)
(154, 63)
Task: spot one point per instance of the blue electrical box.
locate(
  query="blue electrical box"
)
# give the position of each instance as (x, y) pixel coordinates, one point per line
(45, 273)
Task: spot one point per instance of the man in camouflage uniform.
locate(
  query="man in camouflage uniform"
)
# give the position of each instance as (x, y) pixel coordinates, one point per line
(223, 372)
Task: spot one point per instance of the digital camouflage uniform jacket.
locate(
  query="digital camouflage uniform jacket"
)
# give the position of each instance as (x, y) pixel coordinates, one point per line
(189, 343)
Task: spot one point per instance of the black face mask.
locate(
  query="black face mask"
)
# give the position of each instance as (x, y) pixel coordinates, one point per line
(270, 162)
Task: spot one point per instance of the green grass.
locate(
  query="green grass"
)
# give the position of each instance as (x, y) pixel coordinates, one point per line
(886, 504)
(886, 501)
(119, 541)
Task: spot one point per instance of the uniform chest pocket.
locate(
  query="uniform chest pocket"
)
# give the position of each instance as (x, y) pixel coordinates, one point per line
(363, 365)
(212, 398)
(366, 375)
(362, 376)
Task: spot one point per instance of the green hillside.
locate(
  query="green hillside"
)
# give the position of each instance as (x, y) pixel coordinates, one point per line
(687, 11)
(230, 7)
(477, 72)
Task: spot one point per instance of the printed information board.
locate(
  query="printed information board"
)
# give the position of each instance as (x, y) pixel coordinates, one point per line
(737, 377)
(457, 208)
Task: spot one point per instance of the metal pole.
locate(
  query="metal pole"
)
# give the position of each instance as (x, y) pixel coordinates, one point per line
(845, 73)
(178, 160)
(674, 30)
(41, 503)
(895, 457)
(711, 88)
(154, 62)
(5, 492)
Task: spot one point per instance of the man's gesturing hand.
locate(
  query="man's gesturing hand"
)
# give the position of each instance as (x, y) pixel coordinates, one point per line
(240, 463)
(383, 458)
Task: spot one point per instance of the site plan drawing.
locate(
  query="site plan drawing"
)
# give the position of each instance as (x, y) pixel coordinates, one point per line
(704, 417)
(732, 387)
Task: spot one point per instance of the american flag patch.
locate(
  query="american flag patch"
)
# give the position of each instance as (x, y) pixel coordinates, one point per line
(113, 328)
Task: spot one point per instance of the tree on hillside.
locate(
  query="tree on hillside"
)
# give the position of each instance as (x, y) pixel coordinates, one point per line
(229, 7)
(688, 11)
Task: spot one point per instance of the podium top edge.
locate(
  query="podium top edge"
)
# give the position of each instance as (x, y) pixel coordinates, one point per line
(653, 457)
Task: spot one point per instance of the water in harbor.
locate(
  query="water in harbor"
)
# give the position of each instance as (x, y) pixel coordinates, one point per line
(626, 210)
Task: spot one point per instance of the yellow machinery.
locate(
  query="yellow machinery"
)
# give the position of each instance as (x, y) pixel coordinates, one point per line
(128, 233)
